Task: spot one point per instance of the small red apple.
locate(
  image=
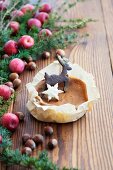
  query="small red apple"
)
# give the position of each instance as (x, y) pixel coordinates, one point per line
(11, 47)
(42, 16)
(16, 65)
(34, 22)
(10, 121)
(45, 8)
(0, 139)
(17, 13)
(5, 92)
(26, 41)
(14, 26)
(27, 7)
(46, 32)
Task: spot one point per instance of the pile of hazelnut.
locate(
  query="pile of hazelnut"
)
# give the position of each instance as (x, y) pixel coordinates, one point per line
(30, 142)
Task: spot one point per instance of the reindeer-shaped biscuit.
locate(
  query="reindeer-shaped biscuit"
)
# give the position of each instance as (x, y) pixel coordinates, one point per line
(62, 77)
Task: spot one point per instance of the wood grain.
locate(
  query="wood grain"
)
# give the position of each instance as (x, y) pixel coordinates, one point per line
(87, 143)
(107, 8)
(94, 135)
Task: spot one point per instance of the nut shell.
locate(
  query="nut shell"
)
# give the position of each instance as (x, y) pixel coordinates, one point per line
(31, 66)
(25, 137)
(29, 59)
(48, 130)
(5, 56)
(16, 83)
(46, 55)
(27, 151)
(60, 52)
(20, 115)
(30, 143)
(38, 139)
(13, 76)
(52, 144)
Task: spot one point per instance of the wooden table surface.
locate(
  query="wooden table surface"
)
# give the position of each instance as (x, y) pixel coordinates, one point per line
(86, 143)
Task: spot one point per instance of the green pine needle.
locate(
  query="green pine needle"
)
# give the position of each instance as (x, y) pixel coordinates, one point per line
(4, 104)
(6, 141)
(41, 162)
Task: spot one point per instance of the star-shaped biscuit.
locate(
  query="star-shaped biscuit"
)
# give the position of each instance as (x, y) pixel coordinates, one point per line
(52, 92)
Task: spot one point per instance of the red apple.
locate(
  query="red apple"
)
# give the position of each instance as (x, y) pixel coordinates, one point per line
(5, 92)
(11, 47)
(34, 22)
(0, 139)
(42, 16)
(14, 26)
(17, 13)
(45, 8)
(47, 32)
(10, 121)
(27, 7)
(26, 41)
(16, 65)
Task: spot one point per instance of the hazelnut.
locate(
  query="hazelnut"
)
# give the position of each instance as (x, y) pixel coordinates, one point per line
(5, 56)
(48, 130)
(13, 76)
(9, 84)
(30, 143)
(20, 115)
(29, 59)
(25, 63)
(46, 55)
(27, 151)
(38, 139)
(31, 66)
(16, 83)
(25, 137)
(60, 52)
(52, 144)
(12, 90)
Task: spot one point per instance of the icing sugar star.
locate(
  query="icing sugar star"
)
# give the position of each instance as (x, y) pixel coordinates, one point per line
(52, 92)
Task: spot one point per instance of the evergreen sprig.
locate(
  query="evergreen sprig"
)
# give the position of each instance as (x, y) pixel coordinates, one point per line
(4, 104)
(41, 162)
(6, 141)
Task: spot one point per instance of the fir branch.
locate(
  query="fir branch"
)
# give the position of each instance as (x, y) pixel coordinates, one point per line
(4, 104)
(42, 162)
(6, 141)
(77, 24)
(4, 70)
(64, 7)
(12, 6)
(51, 22)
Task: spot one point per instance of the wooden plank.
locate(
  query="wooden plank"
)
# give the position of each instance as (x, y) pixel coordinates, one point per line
(2, 166)
(107, 8)
(93, 132)
(87, 143)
